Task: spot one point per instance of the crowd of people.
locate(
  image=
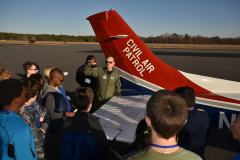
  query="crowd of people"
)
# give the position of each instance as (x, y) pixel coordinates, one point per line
(39, 121)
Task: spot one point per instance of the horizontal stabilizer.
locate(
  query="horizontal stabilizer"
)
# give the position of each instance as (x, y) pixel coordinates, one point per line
(119, 36)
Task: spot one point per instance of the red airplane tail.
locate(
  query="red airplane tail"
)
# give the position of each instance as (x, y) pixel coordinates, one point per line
(135, 60)
(131, 54)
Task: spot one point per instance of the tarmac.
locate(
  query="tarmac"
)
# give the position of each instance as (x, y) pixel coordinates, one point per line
(224, 64)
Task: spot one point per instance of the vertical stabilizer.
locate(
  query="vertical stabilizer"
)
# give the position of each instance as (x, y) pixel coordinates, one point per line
(135, 60)
(132, 55)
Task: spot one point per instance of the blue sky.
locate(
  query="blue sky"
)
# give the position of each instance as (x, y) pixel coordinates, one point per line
(146, 17)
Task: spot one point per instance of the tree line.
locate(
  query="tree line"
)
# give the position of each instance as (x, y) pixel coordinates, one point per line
(173, 38)
(46, 37)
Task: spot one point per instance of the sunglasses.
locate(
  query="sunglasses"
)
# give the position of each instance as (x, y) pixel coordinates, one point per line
(61, 80)
(108, 62)
(33, 69)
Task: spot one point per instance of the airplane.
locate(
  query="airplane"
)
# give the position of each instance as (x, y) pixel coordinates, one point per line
(144, 73)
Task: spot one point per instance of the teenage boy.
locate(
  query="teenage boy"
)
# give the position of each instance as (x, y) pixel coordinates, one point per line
(54, 98)
(88, 125)
(166, 115)
(55, 101)
(16, 137)
(194, 134)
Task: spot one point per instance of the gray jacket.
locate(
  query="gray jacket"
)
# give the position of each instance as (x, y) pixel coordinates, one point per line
(49, 102)
(31, 114)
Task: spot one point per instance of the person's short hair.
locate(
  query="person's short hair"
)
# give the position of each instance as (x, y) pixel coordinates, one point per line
(143, 136)
(27, 65)
(10, 89)
(90, 57)
(4, 74)
(188, 94)
(47, 72)
(168, 112)
(32, 87)
(55, 71)
(111, 56)
(83, 97)
(38, 78)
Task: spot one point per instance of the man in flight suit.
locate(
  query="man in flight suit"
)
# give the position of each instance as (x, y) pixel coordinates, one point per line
(108, 82)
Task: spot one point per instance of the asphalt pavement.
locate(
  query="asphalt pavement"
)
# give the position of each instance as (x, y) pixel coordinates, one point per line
(224, 64)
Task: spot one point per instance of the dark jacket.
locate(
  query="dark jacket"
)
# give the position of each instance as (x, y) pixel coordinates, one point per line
(87, 124)
(55, 103)
(194, 134)
(86, 80)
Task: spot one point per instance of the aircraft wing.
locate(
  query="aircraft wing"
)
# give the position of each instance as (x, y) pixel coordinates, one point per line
(119, 117)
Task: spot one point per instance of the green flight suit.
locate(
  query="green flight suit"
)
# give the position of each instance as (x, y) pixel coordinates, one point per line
(108, 83)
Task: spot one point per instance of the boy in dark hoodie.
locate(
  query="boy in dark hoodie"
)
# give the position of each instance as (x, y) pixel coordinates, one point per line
(84, 123)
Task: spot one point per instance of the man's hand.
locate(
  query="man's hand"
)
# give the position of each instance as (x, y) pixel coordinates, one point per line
(41, 119)
(70, 114)
(92, 62)
(42, 130)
